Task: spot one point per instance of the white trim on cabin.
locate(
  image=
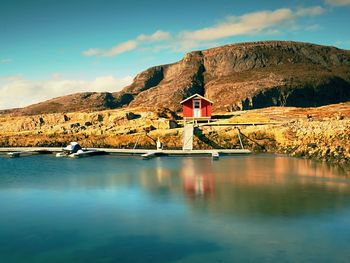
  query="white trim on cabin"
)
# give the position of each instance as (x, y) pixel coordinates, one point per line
(196, 95)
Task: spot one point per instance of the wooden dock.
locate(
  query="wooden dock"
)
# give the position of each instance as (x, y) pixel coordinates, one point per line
(215, 153)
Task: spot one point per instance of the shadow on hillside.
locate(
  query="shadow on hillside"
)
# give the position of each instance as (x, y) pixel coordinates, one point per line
(223, 117)
(199, 134)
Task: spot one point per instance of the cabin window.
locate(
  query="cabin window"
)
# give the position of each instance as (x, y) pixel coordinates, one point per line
(196, 104)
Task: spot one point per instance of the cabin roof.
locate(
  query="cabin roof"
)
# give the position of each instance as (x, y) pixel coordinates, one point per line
(196, 95)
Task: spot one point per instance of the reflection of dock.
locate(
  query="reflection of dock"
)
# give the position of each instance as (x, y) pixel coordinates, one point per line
(41, 150)
(27, 151)
(215, 152)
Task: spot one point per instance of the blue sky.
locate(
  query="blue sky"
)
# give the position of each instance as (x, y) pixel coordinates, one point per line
(50, 48)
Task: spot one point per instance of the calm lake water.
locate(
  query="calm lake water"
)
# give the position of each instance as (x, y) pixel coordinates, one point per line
(259, 208)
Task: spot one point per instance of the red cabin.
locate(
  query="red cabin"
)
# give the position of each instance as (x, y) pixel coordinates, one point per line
(196, 107)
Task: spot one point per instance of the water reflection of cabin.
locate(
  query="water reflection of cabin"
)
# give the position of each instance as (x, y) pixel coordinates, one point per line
(197, 107)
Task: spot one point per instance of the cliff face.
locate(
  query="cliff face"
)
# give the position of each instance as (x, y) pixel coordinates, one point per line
(238, 76)
(167, 85)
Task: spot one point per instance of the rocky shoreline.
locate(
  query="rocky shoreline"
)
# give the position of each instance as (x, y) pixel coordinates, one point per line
(321, 133)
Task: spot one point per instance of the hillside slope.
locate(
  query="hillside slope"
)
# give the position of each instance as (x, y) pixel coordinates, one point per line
(87, 101)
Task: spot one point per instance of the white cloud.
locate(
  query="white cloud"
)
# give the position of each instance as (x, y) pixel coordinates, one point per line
(121, 48)
(16, 91)
(338, 2)
(114, 51)
(5, 61)
(233, 26)
(109, 83)
(257, 23)
(127, 45)
(156, 36)
(265, 22)
(92, 52)
(249, 24)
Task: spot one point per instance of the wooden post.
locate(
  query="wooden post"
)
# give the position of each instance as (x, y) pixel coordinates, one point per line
(239, 137)
(138, 138)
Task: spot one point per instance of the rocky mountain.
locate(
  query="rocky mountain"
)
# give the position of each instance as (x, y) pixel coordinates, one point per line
(246, 76)
(238, 76)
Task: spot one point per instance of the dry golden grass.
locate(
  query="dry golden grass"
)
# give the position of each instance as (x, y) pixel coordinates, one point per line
(322, 133)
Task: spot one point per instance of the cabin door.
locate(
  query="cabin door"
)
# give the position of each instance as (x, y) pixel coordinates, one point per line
(197, 108)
